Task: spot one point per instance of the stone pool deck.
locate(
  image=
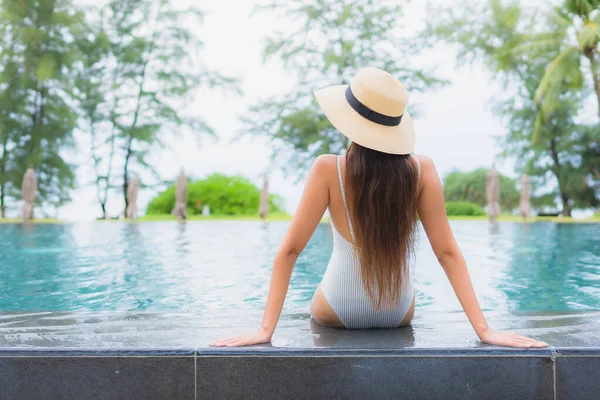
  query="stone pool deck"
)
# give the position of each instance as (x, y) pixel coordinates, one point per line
(166, 356)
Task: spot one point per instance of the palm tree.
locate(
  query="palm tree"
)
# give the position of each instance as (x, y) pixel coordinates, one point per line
(577, 36)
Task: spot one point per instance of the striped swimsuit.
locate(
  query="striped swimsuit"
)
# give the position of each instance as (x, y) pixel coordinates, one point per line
(343, 287)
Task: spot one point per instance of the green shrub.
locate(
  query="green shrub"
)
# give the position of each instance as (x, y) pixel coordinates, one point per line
(463, 208)
(225, 195)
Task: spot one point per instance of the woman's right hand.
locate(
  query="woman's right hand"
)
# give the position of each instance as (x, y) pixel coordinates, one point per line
(509, 339)
(259, 336)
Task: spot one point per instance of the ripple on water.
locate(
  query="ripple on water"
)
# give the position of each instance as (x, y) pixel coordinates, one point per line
(223, 268)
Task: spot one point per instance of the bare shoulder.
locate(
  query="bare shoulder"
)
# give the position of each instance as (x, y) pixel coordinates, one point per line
(322, 174)
(426, 162)
(325, 160)
(428, 170)
(324, 165)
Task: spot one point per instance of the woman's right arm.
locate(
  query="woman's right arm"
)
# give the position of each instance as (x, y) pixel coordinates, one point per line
(313, 204)
(432, 213)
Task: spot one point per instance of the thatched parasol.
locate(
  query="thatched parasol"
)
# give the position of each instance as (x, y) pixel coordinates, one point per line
(180, 210)
(263, 208)
(132, 193)
(493, 194)
(28, 190)
(525, 204)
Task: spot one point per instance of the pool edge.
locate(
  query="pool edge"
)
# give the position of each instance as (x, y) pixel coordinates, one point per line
(256, 372)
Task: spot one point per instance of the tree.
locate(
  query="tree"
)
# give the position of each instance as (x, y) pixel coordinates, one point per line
(590, 165)
(11, 96)
(558, 155)
(470, 186)
(571, 33)
(92, 90)
(154, 70)
(577, 37)
(547, 143)
(138, 68)
(576, 34)
(327, 42)
(37, 116)
(225, 195)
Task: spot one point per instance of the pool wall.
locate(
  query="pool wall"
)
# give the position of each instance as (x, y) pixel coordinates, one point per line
(276, 373)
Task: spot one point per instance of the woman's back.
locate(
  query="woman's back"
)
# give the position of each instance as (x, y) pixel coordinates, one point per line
(343, 287)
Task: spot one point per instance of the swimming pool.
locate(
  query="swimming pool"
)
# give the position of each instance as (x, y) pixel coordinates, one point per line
(223, 268)
(108, 310)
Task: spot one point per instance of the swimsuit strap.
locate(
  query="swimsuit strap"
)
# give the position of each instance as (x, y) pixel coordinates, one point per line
(339, 167)
(418, 172)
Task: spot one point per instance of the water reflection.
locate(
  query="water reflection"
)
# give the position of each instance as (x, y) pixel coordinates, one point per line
(553, 267)
(494, 228)
(29, 268)
(183, 242)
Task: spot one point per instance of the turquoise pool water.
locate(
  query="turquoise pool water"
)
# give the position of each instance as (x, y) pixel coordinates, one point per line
(223, 268)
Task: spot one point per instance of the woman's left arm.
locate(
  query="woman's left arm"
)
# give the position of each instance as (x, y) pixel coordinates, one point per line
(432, 213)
(313, 204)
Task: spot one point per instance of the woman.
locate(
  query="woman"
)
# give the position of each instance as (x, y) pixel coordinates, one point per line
(373, 194)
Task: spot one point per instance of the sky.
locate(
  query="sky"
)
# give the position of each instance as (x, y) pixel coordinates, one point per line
(456, 128)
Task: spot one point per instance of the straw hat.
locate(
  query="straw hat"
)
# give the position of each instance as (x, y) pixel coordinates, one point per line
(371, 111)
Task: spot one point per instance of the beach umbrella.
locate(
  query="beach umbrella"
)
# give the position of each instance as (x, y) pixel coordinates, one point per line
(180, 210)
(132, 193)
(263, 208)
(525, 205)
(493, 194)
(28, 190)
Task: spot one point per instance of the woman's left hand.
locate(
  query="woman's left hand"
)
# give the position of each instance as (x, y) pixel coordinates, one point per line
(509, 339)
(259, 336)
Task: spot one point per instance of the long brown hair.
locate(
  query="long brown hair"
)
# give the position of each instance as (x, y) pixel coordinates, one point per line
(384, 210)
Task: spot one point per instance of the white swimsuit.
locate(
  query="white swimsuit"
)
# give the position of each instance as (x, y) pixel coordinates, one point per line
(343, 287)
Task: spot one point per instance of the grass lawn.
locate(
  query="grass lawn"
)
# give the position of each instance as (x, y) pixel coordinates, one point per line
(286, 217)
(35, 221)
(169, 217)
(514, 218)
